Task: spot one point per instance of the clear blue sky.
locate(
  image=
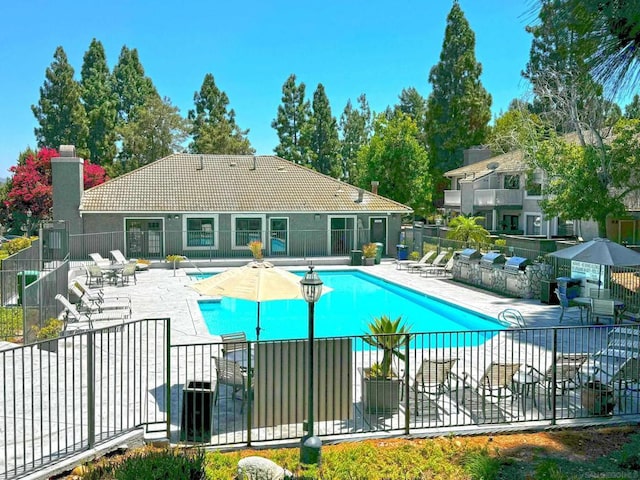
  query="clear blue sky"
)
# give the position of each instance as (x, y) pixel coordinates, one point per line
(351, 47)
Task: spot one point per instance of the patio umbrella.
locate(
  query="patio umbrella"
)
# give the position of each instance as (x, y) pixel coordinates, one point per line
(256, 281)
(600, 251)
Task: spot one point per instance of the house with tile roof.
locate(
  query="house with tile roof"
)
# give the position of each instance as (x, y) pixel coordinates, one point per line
(214, 205)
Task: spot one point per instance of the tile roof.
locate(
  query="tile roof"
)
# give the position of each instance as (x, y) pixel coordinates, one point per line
(230, 183)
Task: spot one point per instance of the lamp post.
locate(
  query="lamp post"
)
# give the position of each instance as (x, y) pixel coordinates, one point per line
(310, 445)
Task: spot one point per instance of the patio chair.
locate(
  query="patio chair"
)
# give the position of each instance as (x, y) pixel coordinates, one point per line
(71, 311)
(94, 274)
(230, 373)
(603, 293)
(603, 308)
(127, 271)
(99, 260)
(119, 257)
(512, 318)
(568, 374)
(496, 382)
(412, 265)
(626, 374)
(444, 268)
(566, 304)
(434, 378)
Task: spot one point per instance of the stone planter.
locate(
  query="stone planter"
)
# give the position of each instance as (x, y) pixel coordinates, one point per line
(50, 346)
(368, 261)
(597, 398)
(380, 395)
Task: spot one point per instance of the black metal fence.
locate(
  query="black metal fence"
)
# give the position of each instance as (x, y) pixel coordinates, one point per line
(64, 396)
(462, 380)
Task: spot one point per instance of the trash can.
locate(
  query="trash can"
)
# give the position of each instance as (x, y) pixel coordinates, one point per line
(29, 277)
(379, 249)
(403, 252)
(197, 403)
(570, 287)
(356, 258)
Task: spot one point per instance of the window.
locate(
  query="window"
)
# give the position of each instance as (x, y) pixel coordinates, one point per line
(512, 182)
(534, 224)
(565, 227)
(510, 222)
(247, 229)
(534, 185)
(200, 232)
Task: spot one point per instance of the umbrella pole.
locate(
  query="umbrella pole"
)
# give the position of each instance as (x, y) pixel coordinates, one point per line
(258, 325)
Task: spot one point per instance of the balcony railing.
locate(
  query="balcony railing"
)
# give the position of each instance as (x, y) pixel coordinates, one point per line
(497, 198)
(452, 198)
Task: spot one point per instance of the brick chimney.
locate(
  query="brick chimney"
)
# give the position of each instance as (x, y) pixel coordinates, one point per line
(374, 186)
(67, 172)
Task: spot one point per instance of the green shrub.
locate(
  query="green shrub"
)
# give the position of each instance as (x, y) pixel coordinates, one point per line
(175, 464)
(17, 244)
(481, 466)
(10, 321)
(500, 242)
(51, 329)
(414, 256)
(549, 470)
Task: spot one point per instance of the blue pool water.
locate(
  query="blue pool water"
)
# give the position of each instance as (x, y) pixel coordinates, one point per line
(356, 298)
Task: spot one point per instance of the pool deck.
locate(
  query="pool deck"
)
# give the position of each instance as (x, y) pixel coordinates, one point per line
(164, 293)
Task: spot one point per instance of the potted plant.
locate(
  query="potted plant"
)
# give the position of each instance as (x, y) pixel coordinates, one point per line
(380, 382)
(174, 260)
(256, 249)
(369, 253)
(50, 331)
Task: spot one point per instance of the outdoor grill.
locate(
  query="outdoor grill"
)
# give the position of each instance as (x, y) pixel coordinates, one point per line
(492, 260)
(469, 254)
(517, 264)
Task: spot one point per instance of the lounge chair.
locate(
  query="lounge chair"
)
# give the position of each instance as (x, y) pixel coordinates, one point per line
(626, 374)
(434, 378)
(230, 373)
(512, 318)
(442, 268)
(95, 302)
(89, 316)
(99, 260)
(119, 257)
(408, 264)
(496, 382)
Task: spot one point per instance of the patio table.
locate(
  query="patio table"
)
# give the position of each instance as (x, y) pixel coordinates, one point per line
(585, 302)
(111, 271)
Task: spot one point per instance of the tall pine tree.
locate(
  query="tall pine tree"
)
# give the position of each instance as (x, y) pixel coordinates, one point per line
(459, 108)
(292, 117)
(130, 84)
(59, 112)
(100, 105)
(321, 136)
(355, 127)
(214, 128)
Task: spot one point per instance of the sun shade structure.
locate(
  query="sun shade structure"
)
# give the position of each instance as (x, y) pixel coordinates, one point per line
(601, 252)
(256, 281)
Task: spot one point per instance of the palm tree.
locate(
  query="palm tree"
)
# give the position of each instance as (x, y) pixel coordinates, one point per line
(468, 230)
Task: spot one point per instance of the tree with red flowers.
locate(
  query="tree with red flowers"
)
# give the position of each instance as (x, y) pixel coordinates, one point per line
(30, 187)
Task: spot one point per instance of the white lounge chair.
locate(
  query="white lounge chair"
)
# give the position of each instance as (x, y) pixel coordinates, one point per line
(99, 259)
(423, 261)
(96, 302)
(72, 314)
(119, 257)
(439, 267)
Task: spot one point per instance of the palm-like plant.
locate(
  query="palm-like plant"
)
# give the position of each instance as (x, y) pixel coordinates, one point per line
(468, 230)
(389, 336)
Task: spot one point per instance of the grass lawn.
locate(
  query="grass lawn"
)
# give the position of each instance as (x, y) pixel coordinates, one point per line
(611, 453)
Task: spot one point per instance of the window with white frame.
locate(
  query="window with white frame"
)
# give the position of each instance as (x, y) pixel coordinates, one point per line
(534, 225)
(200, 231)
(246, 230)
(534, 184)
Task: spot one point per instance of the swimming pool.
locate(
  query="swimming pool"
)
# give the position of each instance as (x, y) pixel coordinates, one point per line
(356, 298)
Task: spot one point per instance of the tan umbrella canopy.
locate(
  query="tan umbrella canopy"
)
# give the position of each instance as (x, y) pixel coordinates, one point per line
(256, 281)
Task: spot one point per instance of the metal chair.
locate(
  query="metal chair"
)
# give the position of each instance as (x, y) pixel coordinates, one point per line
(434, 378)
(95, 275)
(230, 373)
(602, 308)
(496, 382)
(566, 304)
(128, 271)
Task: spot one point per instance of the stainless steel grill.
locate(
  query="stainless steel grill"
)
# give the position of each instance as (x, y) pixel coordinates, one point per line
(517, 264)
(469, 254)
(492, 260)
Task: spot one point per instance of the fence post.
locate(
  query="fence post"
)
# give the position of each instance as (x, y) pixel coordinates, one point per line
(554, 351)
(91, 392)
(407, 411)
(249, 402)
(167, 392)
